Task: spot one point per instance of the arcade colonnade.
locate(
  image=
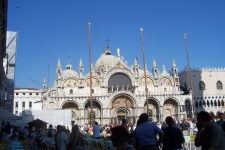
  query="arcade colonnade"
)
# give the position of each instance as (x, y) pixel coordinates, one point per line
(124, 105)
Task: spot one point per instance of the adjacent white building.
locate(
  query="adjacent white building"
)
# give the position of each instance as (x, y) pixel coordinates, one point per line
(27, 99)
(208, 85)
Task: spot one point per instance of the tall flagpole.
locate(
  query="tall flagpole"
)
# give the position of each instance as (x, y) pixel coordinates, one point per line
(90, 66)
(143, 54)
(190, 76)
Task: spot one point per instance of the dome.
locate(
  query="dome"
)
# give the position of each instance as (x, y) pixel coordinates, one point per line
(105, 60)
(69, 73)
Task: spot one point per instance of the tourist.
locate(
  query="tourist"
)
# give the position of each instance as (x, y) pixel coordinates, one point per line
(76, 141)
(145, 134)
(96, 131)
(50, 131)
(221, 121)
(125, 124)
(185, 127)
(120, 138)
(58, 130)
(210, 135)
(62, 139)
(173, 137)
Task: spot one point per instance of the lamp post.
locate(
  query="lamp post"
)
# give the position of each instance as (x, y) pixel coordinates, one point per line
(143, 54)
(190, 76)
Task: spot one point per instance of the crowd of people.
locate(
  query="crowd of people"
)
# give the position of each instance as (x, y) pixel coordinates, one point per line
(143, 135)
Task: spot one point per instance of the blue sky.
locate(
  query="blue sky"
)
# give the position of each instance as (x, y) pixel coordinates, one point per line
(49, 29)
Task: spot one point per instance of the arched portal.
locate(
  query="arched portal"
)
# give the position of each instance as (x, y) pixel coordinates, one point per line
(188, 109)
(74, 108)
(153, 108)
(122, 106)
(170, 108)
(96, 114)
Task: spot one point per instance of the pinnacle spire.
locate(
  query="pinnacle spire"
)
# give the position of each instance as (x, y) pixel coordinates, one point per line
(154, 63)
(59, 64)
(174, 63)
(81, 63)
(44, 82)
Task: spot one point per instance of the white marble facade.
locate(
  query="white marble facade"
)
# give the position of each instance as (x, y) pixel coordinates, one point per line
(118, 91)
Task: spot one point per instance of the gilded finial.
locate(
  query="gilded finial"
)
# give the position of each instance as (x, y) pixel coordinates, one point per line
(141, 29)
(89, 23)
(185, 35)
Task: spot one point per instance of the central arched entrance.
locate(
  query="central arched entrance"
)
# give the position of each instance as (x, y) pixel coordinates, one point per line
(122, 107)
(75, 110)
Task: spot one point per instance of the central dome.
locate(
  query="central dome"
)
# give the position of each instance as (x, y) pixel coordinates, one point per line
(105, 60)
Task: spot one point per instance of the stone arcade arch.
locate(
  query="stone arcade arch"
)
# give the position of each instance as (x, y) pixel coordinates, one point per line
(154, 112)
(97, 110)
(74, 108)
(188, 108)
(170, 108)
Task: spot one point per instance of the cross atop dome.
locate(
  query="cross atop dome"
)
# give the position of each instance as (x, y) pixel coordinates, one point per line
(107, 51)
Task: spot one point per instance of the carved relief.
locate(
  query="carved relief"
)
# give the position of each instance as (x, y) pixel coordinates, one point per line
(70, 83)
(122, 102)
(165, 81)
(95, 82)
(148, 80)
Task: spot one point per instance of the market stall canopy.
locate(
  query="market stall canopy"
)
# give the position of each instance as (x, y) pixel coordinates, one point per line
(37, 123)
(5, 115)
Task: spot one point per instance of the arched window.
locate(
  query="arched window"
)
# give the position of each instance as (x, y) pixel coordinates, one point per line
(165, 89)
(201, 85)
(219, 85)
(71, 92)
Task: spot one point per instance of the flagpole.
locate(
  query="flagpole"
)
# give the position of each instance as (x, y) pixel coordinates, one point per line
(190, 76)
(143, 54)
(90, 67)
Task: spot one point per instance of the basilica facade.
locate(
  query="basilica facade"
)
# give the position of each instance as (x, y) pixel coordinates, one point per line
(118, 91)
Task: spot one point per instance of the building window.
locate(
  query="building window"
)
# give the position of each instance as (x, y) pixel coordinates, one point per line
(16, 112)
(23, 93)
(185, 85)
(16, 104)
(30, 93)
(30, 104)
(37, 93)
(17, 93)
(165, 89)
(219, 85)
(23, 104)
(71, 92)
(201, 85)
(93, 90)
